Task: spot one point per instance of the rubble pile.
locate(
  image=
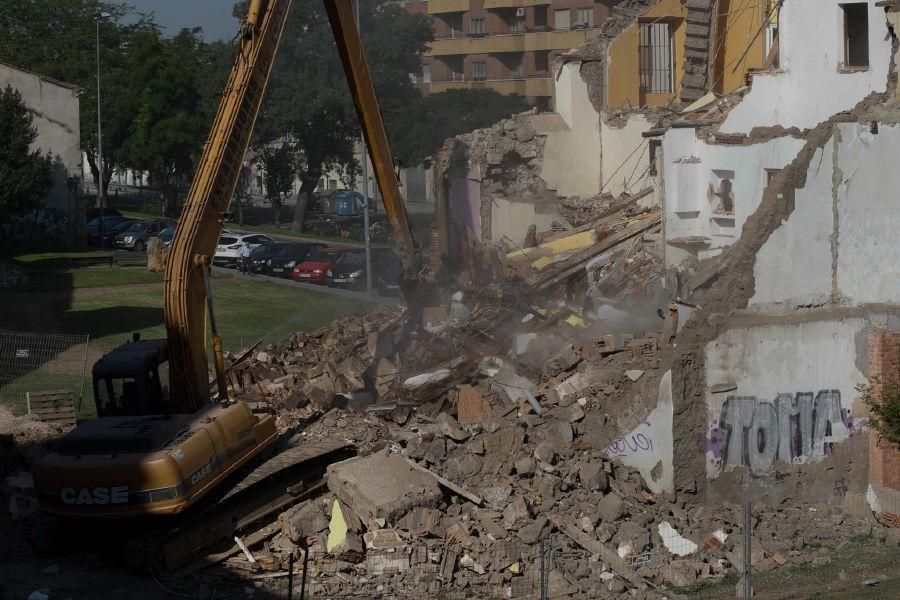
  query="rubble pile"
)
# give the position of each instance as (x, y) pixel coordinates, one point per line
(459, 500)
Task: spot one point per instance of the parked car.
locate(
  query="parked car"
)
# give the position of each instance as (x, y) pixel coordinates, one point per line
(387, 269)
(137, 236)
(261, 256)
(166, 235)
(110, 231)
(315, 268)
(93, 226)
(228, 252)
(283, 263)
(349, 270)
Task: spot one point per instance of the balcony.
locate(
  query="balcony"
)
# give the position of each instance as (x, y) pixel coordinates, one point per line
(517, 42)
(447, 6)
(488, 4)
(532, 86)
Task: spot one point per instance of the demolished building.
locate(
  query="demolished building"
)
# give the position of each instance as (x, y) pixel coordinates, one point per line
(546, 401)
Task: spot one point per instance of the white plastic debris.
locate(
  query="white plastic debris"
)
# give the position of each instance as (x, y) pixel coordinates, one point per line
(674, 542)
(419, 380)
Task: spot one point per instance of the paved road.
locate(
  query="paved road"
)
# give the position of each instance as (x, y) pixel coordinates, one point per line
(311, 286)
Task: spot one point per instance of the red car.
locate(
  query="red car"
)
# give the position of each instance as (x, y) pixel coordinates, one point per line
(315, 267)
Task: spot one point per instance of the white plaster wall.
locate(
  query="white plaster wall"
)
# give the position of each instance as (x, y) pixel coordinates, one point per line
(571, 161)
(55, 111)
(510, 220)
(625, 156)
(688, 173)
(868, 260)
(770, 365)
(809, 88)
(796, 266)
(651, 443)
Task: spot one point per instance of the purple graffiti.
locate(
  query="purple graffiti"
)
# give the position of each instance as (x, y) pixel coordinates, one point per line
(623, 446)
(715, 443)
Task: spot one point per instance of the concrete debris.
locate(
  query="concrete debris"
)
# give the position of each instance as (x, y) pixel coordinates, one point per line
(382, 486)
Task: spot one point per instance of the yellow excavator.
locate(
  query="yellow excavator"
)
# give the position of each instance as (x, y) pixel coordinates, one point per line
(163, 440)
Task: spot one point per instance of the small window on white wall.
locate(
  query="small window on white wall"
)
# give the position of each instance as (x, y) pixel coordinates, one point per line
(722, 195)
(856, 34)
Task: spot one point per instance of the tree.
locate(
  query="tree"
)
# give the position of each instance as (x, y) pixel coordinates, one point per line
(57, 38)
(279, 169)
(168, 126)
(420, 130)
(308, 100)
(24, 173)
(882, 397)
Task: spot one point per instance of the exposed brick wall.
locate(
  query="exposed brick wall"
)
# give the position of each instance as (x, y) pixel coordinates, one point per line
(884, 364)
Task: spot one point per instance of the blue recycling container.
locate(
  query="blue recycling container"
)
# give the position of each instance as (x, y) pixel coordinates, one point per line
(345, 205)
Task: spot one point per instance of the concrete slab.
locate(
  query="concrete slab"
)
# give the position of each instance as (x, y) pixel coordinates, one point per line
(382, 486)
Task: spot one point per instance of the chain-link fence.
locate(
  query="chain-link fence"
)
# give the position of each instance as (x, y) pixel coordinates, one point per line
(37, 362)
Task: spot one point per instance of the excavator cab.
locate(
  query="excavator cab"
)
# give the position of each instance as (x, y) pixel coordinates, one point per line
(133, 380)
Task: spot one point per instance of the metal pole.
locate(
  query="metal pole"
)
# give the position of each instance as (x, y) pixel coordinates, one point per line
(101, 200)
(291, 577)
(543, 570)
(303, 577)
(364, 159)
(745, 590)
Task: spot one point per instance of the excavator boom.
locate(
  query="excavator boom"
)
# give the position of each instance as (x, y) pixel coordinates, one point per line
(217, 175)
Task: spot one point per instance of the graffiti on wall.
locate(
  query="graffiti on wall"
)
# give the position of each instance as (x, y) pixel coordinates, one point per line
(792, 428)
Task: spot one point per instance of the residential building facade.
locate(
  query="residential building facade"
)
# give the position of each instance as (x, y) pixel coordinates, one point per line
(506, 45)
(54, 106)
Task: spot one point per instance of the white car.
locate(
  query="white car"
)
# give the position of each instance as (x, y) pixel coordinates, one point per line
(228, 252)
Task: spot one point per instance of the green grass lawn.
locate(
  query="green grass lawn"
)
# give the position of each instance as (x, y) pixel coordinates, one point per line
(111, 303)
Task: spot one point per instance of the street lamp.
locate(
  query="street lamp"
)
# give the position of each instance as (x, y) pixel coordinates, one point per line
(101, 200)
(364, 156)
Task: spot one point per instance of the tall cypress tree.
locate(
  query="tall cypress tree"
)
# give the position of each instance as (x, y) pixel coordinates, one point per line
(24, 173)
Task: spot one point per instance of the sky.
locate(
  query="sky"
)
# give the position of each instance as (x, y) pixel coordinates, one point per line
(214, 16)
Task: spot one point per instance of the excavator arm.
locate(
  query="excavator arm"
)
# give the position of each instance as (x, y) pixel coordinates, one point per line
(202, 217)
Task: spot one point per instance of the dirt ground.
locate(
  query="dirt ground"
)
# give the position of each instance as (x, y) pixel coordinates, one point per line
(863, 571)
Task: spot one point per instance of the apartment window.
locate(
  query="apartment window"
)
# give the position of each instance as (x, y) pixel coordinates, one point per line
(656, 58)
(540, 16)
(542, 61)
(321, 184)
(518, 23)
(562, 19)
(586, 17)
(476, 27)
(332, 184)
(426, 73)
(454, 21)
(518, 68)
(479, 71)
(456, 68)
(772, 8)
(856, 34)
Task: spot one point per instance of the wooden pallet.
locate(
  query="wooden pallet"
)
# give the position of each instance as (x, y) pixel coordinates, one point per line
(54, 406)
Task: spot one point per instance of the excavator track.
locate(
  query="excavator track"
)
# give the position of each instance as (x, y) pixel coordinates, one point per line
(179, 546)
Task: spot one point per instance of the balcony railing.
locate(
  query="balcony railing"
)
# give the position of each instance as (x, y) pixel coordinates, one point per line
(511, 42)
